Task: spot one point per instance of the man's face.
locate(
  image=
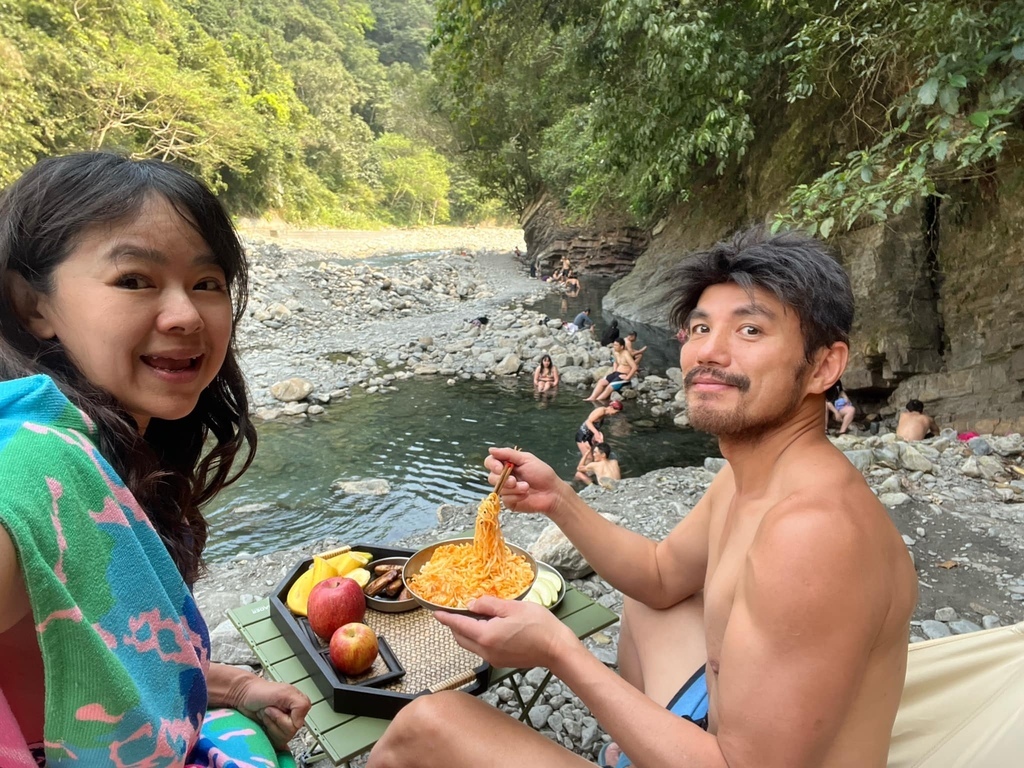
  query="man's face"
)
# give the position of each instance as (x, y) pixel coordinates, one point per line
(743, 362)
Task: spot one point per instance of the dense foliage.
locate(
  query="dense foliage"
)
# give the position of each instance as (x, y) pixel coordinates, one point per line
(284, 106)
(632, 103)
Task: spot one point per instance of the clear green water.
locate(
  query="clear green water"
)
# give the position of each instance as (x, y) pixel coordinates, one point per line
(428, 441)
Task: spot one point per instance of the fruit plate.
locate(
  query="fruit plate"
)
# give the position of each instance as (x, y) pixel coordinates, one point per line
(553, 577)
(423, 653)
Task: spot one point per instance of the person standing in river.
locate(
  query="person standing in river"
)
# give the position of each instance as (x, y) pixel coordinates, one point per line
(590, 433)
(769, 629)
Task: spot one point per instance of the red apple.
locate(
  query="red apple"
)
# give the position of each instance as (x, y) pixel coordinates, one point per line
(333, 602)
(353, 648)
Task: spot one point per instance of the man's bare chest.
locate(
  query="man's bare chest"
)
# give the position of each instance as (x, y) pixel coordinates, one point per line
(731, 538)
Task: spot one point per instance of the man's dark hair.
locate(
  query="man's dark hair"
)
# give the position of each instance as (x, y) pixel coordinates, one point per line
(796, 268)
(603, 448)
(915, 406)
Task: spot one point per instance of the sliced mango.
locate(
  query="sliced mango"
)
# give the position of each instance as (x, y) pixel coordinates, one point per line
(363, 557)
(322, 569)
(360, 575)
(342, 564)
(298, 594)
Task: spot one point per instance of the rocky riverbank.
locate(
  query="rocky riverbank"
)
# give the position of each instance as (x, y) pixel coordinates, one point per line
(960, 509)
(333, 324)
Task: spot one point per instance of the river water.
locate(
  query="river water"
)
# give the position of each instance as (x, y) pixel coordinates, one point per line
(428, 441)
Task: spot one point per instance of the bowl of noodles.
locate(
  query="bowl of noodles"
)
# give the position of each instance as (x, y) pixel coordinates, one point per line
(447, 575)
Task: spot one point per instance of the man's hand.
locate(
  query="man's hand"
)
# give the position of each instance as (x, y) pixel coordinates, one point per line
(533, 485)
(280, 708)
(517, 634)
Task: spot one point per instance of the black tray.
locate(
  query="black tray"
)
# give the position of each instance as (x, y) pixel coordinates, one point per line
(355, 696)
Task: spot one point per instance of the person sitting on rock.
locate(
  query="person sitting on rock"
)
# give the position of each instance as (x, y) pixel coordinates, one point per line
(611, 333)
(915, 424)
(545, 376)
(638, 354)
(582, 321)
(602, 467)
(624, 370)
(839, 406)
(769, 627)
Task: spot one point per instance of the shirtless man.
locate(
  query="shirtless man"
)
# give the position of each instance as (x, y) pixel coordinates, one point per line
(602, 467)
(638, 354)
(624, 369)
(787, 580)
(915, 424)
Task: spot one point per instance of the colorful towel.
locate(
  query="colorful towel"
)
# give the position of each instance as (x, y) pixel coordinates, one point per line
(125, 649)
(226, 735)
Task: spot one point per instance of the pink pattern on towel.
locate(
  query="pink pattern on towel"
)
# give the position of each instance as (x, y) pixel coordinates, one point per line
(56, 491)
(188, 648)
(72, 614)
(96, 713)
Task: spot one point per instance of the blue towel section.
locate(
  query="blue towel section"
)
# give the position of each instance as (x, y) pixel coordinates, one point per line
(691, 702)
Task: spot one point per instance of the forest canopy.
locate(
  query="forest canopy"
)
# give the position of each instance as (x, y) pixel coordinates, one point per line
(631, 104)
(285, 107)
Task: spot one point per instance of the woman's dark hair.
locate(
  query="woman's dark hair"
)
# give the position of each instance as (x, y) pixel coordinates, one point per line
(548, 359)
(797, 269)
(42, 217)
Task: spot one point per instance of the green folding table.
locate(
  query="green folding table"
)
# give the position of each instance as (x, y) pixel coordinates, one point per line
(341, 736)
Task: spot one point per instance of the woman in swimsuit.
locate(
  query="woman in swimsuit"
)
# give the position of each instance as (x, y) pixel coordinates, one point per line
(545, 376)
(122, 411)
(841, 408)
(590, 430)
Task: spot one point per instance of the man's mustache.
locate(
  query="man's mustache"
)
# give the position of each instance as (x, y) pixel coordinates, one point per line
(742, 383)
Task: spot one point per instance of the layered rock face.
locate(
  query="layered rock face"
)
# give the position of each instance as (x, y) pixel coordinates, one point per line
(939, 315)
(607, 247)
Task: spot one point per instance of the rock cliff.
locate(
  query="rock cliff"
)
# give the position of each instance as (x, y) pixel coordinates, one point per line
(609, 246)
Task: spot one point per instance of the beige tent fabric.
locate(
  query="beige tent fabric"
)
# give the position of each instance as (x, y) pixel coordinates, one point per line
(963, 703)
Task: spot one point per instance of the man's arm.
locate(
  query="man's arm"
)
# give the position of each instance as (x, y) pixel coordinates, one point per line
(804, 620)
(658, 574)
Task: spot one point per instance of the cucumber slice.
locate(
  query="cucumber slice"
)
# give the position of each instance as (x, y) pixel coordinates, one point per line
(546, 592)
(533, 597)
(550, 578)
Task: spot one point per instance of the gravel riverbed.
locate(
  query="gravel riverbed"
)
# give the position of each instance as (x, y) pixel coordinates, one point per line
(317, 327)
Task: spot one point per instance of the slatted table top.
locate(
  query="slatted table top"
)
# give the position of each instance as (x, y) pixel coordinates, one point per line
(344, 736)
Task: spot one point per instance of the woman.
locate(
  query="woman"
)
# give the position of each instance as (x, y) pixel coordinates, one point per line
(545, 376)
(623, 370)
(122, 412)
(590, 430)
(839, 405)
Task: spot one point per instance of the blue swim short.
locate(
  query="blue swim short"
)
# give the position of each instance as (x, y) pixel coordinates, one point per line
(691, 703)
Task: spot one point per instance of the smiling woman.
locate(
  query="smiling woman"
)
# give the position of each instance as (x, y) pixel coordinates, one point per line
(121, 285)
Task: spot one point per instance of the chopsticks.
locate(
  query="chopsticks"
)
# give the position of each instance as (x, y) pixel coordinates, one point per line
(509, 466)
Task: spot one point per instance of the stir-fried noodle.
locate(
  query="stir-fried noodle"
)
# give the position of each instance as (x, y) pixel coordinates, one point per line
(457, 573)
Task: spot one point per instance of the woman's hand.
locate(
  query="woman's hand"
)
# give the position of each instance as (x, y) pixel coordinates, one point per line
(280, 708)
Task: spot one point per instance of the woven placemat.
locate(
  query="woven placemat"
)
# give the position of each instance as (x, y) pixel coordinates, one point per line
(426, 650)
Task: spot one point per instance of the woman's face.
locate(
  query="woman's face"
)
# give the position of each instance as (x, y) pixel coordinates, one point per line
(142, 309)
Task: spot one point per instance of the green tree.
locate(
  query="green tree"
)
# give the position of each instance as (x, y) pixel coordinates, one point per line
(415, 180)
